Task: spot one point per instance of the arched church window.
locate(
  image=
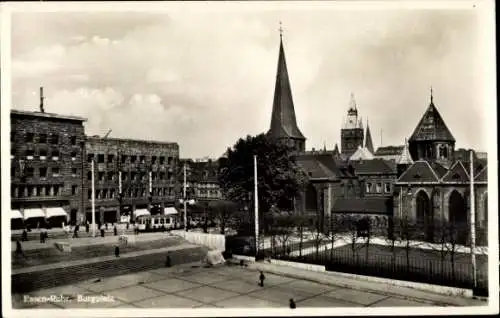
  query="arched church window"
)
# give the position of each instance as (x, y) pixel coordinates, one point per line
(368, 187)
(445, 152)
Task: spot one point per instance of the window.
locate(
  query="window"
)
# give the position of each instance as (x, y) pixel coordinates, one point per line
(73, 189)
(133, 176)
(12, 172)
(136, 192)
(169, 160)
(143, 193)
(379, 187)
(54, 139)
(112, 193)
(162, 160)
(368, 187)
(133, 159)
(111, 158)
(73, 155)
(101, 175)
(42, 138)
(153, 159)
(55, 155)
(143, 176)
(12, 136)
(124, 159)
(98, 194)
(387, 187)
(74, 171)
(30, 137)
(162, 175)
(105, 193)
(73, 140)
(30, 154)
(110, 176)
(89, 194)
(100, 158)
(90, 157)
(43, 172)
(55, 172)
(154, 175)
(56, 190)
(43, 154)
(89, 175)
(143, 159)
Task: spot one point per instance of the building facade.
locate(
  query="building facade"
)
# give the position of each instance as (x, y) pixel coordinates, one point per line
(47, 167)
(131, 177)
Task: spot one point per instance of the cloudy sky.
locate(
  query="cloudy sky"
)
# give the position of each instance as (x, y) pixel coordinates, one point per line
(204, 78)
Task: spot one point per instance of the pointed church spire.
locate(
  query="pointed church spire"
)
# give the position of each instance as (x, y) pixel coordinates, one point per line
(283, 120)
(368, 139)
(405, 157)
(432, 97)
(324, 146)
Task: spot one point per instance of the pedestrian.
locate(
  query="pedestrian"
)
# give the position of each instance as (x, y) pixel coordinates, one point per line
(75, 232)
(115, 230)
(168, 261)
(106, 225)
(24, 236)
(87, 227)
(102, 231)
(292, 304)
(45, 235)
(117, 251)
(19, 249)
(261, 278)
(41, 236)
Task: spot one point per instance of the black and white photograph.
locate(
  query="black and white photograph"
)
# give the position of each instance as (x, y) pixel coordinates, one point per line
(271, 158)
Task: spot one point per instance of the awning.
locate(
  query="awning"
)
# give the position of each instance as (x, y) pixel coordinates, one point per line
(170, 210)
(51, 212)
(141, 212)
(15, 214)
(33, 213)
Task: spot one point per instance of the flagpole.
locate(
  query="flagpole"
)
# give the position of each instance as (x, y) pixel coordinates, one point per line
(473, 221)
(93, 200)
(256, 206)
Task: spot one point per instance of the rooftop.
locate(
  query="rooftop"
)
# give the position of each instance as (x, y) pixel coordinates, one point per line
(46, 115)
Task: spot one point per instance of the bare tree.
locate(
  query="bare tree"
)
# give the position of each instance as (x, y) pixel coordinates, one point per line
(408, 232)
(317, 235)
(334, 232)
(392, 236)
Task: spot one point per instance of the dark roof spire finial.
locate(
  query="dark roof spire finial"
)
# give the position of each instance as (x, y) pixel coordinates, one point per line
(281, 30)
(432, 96)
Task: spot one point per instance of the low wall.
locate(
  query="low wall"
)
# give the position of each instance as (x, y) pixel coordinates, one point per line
(309, 267)
(212, 241)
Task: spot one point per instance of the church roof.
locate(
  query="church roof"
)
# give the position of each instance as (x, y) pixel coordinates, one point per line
(432, 126)
(482, 176)
(389, 150)
(322, 165)
(368, 139)
(420, 171)
(361, 154)
(283, 121)
(457, 173)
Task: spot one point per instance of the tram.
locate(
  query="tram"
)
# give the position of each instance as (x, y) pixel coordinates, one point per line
(148, 223)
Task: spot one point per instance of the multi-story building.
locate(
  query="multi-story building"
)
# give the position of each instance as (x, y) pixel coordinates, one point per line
(131, 177)
(46, 168)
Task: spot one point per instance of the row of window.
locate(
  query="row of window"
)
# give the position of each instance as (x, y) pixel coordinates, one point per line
(42, 138)
(43, 154)
(377, 187)
(134, 176)
(208, 193)
(40, 172)
(39, 190)
(142, 192)
(110, 158)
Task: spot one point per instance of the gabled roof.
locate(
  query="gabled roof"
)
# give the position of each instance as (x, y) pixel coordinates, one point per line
(315, 169)
(420, 171)
(323, 165)
(371, 167)
(363, 205)
(431, 126)
(482, 176)
(361, 154)
(283, 121)
(389, 150)
(438, 168)
(457, 173)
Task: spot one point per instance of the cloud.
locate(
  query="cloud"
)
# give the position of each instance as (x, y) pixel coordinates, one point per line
(204, 79)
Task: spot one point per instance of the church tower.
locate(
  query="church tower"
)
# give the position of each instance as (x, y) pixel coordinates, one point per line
(283, 122)
(368, 139)
(432, 140)
(351, 133)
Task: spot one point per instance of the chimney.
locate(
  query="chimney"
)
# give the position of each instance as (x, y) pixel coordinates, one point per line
(41, 100)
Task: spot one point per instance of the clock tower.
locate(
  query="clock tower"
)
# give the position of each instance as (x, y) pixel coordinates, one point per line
(351, 134)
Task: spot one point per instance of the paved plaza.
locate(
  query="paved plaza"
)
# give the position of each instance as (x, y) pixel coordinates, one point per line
(194, 286)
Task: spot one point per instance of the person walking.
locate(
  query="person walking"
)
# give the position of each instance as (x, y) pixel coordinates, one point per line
(45, 235)
(24, 236)
(117, 251)
(19, 249)
(75, 232)
(261, 278)
(292, 304)
(102, 230)
(115, 230)
(87, 227)
(41, 236)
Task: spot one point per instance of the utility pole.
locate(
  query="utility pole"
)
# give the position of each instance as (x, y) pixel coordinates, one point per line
(256, 206)
(185, 199)
(473, 221)
(93, 199)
